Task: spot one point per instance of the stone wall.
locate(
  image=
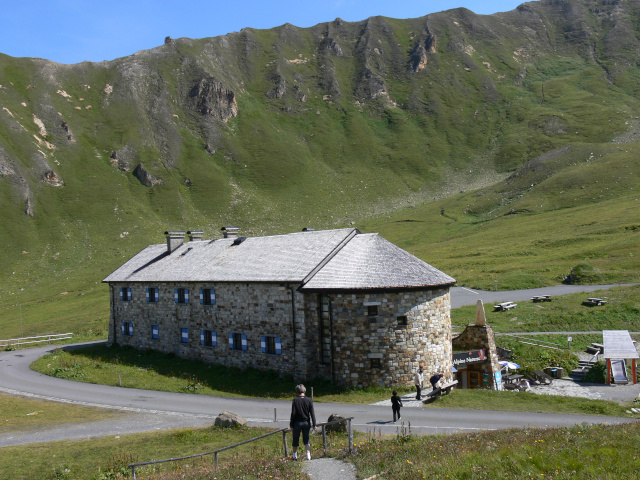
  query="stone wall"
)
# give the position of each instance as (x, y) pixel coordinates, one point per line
(367, 349)
(254, 310)
(378, 350)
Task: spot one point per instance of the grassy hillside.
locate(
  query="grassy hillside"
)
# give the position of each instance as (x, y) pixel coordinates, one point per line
(497, 148)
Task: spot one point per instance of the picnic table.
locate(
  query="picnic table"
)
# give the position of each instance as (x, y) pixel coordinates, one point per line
(541, 298)
(504, 306)
(594, 302)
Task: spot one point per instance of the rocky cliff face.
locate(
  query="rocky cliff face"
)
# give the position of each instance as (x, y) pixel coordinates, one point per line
(381, 110)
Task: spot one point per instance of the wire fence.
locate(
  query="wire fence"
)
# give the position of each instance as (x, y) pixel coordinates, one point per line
(16, 342)
(282, 431)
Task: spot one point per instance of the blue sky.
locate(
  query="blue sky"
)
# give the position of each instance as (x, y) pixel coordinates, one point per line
(72, 31)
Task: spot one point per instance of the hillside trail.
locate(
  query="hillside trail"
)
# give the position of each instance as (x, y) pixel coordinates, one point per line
(329, 469)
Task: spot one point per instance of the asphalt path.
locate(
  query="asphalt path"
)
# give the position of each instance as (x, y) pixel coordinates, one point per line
(151, 410)
(462, 296)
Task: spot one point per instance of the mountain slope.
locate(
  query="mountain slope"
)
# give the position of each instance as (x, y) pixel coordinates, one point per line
(278, 129)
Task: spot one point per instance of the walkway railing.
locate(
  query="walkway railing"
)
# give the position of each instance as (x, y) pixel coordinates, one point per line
(16, 342)
(284, 431)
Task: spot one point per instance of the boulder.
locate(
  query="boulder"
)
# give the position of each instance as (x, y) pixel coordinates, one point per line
(228, 419)
(338, 427)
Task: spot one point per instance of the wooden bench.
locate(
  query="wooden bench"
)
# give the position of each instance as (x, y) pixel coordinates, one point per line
(594, 302)
(439, 391)
(504, 306)
(541, 298)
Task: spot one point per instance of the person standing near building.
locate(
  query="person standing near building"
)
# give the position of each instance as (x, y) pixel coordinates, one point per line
(302, 419)
(435, 379)
(396, 403)
(418, 380)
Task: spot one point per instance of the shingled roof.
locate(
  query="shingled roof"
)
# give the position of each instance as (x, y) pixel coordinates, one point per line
(318, 260)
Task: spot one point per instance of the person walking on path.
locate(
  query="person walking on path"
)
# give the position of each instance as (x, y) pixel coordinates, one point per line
(435, 379)
(302, 419)
(418, 380)
(396, 403)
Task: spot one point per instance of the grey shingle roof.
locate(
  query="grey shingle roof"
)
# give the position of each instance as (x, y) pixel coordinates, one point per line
(326, 259)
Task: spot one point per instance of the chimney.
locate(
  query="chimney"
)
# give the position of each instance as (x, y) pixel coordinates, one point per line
(174, 240)
(195, 235)
(230, 232)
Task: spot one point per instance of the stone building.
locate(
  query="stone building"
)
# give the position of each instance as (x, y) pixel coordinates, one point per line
(338, 304)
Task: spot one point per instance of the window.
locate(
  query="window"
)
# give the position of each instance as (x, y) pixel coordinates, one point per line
(207, 296)
(403, 321)
(125, 294)
(376, 363)
(184, 335)
(325, 330)
(181, 295)
(153, 295)
(155, 331)
(208, 338)
(127, 328)
(271, 345)
(237, 341)
(372, 310)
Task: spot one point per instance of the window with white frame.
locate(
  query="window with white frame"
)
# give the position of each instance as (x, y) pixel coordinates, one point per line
(237, 341)
(125, 294)
(207, 296)
(184, 335)
(127, 328)
(271, 345)
(153, 295)
(208, 338)
(181, 295)
(155, 331)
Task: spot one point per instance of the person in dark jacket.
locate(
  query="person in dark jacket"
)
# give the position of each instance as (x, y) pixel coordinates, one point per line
(396, 403)
(435, 379)
(302, 419)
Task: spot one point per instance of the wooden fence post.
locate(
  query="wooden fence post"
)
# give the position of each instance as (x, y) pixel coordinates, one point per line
(350, 437)
(284, 440)
(324, 438)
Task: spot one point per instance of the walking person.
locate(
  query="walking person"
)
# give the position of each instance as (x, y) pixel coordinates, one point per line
(396, 403)
(418, 380)
(302, 419)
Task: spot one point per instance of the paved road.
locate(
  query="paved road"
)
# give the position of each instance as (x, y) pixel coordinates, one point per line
(151, 410)
(462, 296)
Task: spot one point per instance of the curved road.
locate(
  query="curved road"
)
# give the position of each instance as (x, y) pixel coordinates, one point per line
(152, 410)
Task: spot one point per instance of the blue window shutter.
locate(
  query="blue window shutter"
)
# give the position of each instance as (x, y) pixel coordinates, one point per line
(231, 340)
(213, 296)
(201, 297)
(148, 294)
(201, 337)
(244, 342)
(278, 346)
(176, 294)
(184, 333)
(121, 293)
(154, 331)
(186, 295)
(156, 294)
(123, 328)
(263, 344)
(129, 293)
(214, 339)
(131, 328)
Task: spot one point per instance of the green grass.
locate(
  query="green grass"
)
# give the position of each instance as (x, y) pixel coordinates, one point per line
(19, 414)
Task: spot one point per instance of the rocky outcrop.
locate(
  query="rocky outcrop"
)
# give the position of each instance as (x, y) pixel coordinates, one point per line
(210, 97)
(145, 177)
(123, 158)
(52, 178)
(418, 60)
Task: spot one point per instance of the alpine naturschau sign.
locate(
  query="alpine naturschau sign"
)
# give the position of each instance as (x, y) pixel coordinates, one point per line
(469, 357)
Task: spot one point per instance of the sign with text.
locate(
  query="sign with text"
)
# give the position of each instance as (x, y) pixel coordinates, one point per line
(461, 359)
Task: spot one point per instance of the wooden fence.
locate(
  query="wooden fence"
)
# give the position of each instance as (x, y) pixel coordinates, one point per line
(284, 432)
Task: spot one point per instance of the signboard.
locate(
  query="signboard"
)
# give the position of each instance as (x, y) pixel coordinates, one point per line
(498, 380)
(470, 357)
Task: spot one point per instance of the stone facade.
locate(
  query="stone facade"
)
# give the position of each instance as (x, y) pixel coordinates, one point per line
(377, 338)
(477, 337)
